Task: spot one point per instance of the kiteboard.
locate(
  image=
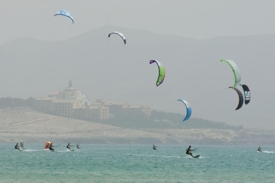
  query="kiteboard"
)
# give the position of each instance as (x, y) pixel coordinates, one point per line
(196, 156)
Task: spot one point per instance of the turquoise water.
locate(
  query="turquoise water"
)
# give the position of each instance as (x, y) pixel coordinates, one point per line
(137, 164)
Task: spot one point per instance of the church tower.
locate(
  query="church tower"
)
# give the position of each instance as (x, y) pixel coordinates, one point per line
(70, 86)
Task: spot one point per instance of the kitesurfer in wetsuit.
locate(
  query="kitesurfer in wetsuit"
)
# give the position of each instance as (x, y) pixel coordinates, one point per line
(77, 145)
(22, 145)
(51, 147)
(154, 147)
(17, 147)
(189, 151)
(259, 149)
(69, 146)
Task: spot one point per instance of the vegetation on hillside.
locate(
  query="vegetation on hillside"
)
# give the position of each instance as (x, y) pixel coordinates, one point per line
(9, 102)
(160, 120)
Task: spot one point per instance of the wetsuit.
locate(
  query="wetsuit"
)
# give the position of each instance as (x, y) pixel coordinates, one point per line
(154, 147)
(259, 149)
(22, 145)
(17, 147)
(69, 146)
(189, 151)
(51, 147)
(77, 146)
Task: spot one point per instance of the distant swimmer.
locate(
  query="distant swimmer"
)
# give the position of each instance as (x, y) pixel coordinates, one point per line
(22, 145)
(189, 151)
(260, 149)
(51, 147)
(17, 147)
(69, 146)
(154, 147)
(77, 145)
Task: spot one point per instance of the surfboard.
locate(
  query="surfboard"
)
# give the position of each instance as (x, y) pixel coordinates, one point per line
(196, 156)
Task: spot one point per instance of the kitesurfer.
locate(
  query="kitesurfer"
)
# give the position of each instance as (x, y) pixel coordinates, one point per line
(154, 147)
(22, 145)
(69, 146)
(189, 151)
(51, 147)
(17, 147)
(259, 149)
(77, 145)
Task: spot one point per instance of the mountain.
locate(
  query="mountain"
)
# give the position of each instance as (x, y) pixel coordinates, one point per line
(106, 68)
(30, 126)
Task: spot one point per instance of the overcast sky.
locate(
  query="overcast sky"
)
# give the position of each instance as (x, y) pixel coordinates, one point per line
(197, 19)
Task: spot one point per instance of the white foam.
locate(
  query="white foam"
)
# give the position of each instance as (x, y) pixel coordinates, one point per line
(65, 151)
(269, 152)
(201, 157)
(29, 150)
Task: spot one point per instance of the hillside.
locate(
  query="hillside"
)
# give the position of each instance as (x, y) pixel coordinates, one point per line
(24, 124)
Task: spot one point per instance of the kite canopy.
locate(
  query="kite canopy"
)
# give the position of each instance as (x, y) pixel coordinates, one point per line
(188, 109)
(64, 13)
(161, 68)
(236, 71)
(247, 94)
(240, 97)
(47, 145)
(120, 34)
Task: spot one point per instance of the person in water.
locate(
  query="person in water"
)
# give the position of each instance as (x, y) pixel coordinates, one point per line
(259, 149)
(69, 146)
(51, 147)
(77, 145)
(22, 145)
(17, 147)
(189, 151)
(154, 147)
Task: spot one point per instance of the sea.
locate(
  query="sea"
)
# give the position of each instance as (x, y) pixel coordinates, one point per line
(136, 164)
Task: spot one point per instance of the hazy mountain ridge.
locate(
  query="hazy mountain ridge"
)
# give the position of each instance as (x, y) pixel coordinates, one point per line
(24, 124)
(157, 119)
(106, 68)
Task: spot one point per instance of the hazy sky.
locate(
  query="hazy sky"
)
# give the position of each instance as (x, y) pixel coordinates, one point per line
(198, 19)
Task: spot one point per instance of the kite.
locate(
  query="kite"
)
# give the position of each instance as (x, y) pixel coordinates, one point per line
(188, 110)
(64, 13)
(120, 34)
(247, 94)
(240, 97)
(161, 68)
(236, 71)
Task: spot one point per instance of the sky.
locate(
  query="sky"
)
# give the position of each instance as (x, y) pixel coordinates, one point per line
(196, 19)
